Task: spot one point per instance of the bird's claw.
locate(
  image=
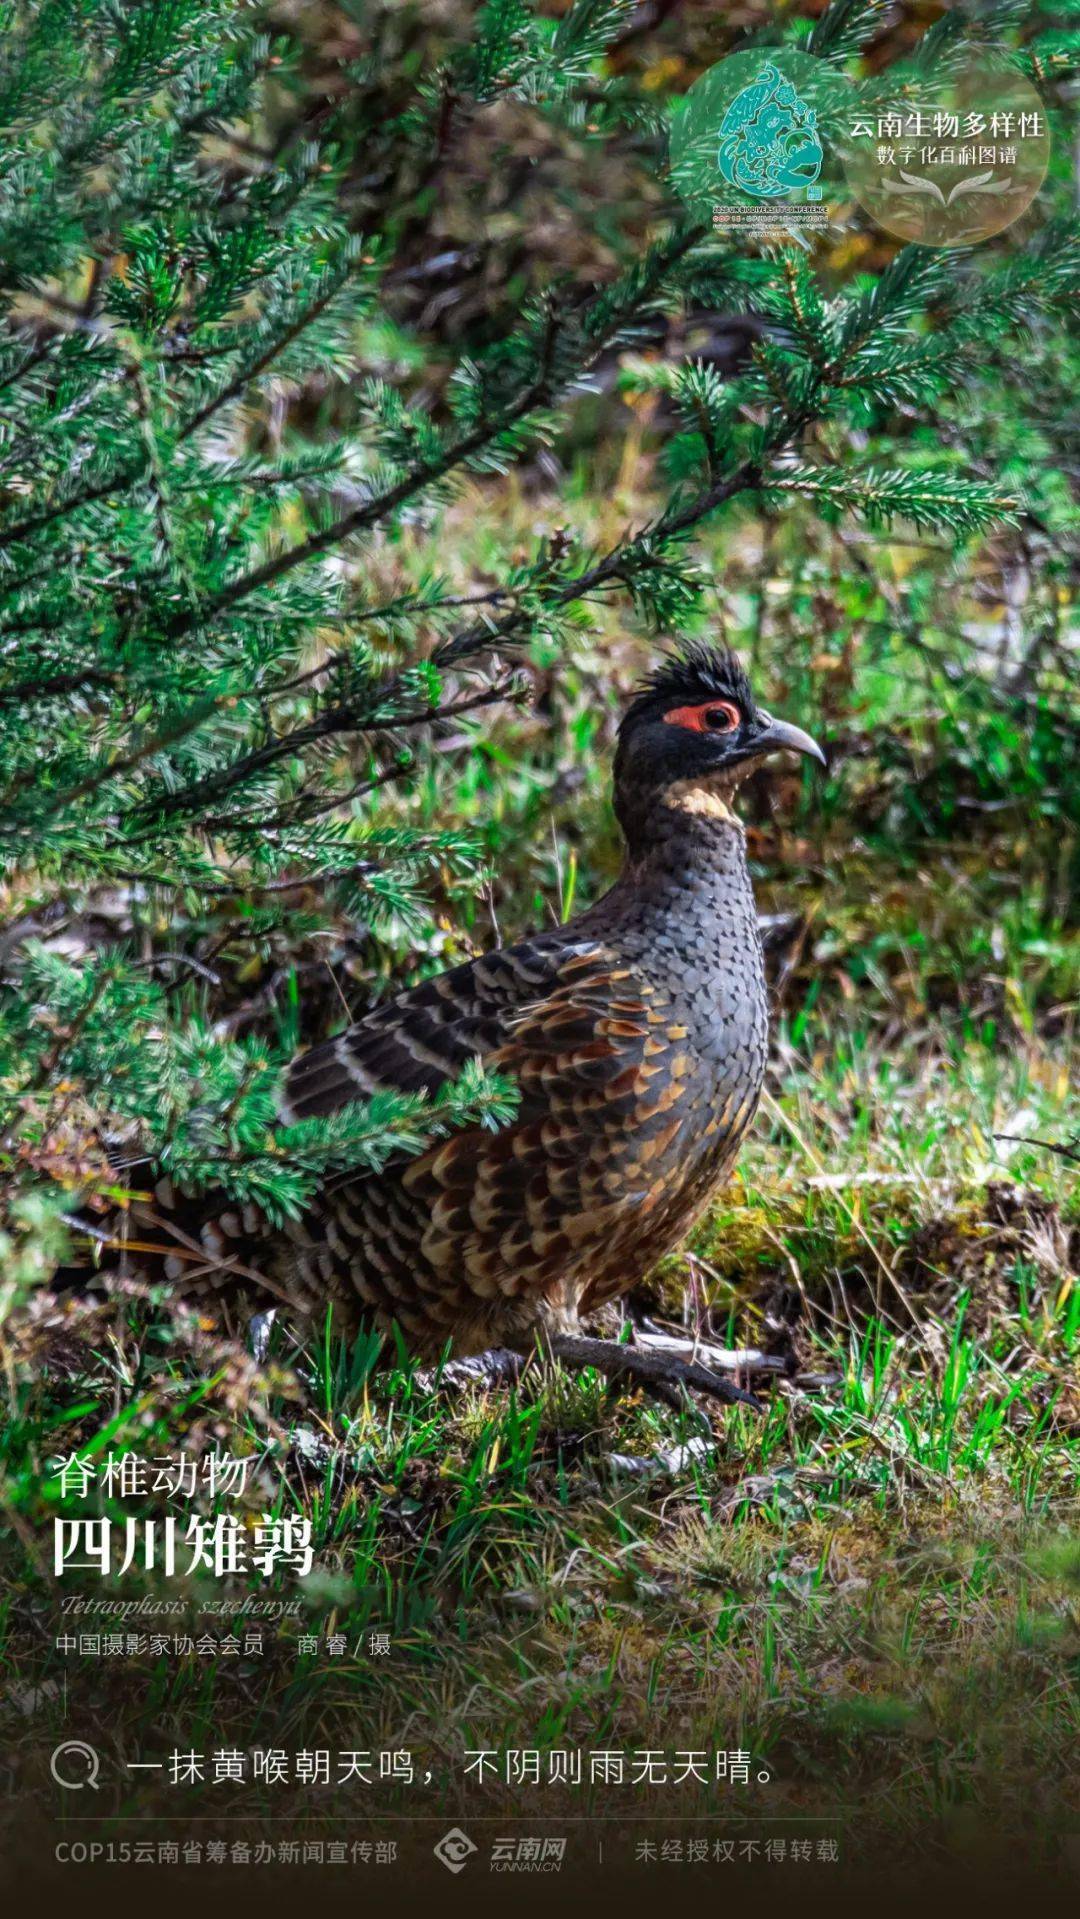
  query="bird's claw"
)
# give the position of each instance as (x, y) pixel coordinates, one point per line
(664, 1373)
(497, 1367)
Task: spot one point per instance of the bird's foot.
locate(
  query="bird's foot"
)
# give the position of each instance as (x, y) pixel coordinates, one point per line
(668, 1369)
(744, 1360)
(499, 1367)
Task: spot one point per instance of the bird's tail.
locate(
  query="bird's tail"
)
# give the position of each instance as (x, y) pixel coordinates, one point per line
(202, 1245)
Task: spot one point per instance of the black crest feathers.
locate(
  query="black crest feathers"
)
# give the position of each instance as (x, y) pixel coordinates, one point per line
(696, 672)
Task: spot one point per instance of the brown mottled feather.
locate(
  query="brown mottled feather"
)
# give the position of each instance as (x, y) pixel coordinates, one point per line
(615, 1145)
(636, 1036)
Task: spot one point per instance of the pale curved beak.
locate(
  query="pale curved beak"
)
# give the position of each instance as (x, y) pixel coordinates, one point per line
(779, 734)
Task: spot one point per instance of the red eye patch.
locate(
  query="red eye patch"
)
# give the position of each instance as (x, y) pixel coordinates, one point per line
(715, 716)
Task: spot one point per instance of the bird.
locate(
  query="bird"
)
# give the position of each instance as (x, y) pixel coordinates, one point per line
(636, 1036)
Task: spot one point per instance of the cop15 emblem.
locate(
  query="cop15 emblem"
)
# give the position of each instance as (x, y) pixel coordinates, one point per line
(769, 145)
(749, 145)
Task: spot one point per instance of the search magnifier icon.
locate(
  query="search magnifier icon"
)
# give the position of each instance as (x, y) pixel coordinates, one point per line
(73, 1758)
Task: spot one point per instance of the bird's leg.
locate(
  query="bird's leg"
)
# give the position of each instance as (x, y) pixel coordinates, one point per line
(660, 1364)
(661, 1373)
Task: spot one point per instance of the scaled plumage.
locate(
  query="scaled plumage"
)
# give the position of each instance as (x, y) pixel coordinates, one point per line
(637, 1037)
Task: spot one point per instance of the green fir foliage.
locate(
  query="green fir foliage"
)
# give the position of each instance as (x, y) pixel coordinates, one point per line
(201, 686)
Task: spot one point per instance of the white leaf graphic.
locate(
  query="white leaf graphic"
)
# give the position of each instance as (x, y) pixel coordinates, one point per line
(978, 183)
(914, 183)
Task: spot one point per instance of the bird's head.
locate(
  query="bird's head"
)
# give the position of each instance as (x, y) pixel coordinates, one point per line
(691, 734)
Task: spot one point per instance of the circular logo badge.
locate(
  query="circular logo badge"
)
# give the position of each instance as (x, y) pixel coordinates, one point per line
(951, 159)
(773, 143)
(750, 145)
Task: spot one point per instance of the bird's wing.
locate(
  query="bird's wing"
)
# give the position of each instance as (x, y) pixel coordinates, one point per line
(603, 1095)
(424, 1037)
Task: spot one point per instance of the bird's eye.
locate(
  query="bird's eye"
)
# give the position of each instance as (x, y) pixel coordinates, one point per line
(722, 719)
(718, 716)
